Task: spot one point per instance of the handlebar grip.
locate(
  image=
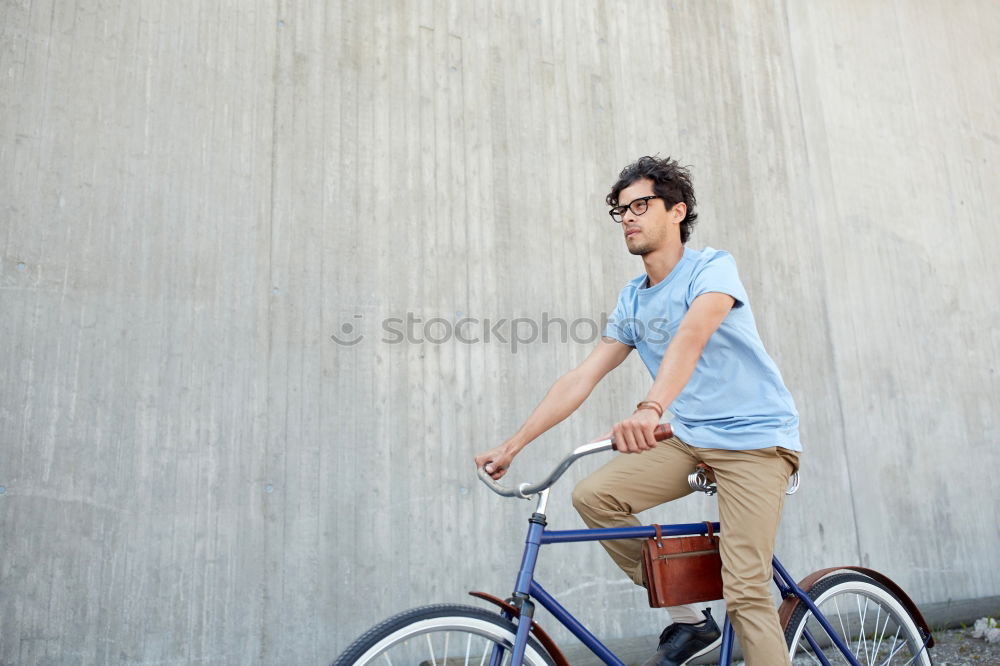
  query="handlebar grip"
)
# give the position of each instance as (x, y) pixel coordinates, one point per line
(663, 431)
(493, 485)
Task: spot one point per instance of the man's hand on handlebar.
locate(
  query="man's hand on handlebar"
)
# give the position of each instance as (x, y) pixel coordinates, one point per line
(635, 434)
(496, 461)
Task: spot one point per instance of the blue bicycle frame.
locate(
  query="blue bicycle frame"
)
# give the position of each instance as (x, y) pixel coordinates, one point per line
(527, 588)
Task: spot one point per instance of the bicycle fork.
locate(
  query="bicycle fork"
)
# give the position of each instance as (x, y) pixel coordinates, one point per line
(520, 598)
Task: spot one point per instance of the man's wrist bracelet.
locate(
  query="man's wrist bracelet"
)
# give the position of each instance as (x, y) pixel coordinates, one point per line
(650, 404)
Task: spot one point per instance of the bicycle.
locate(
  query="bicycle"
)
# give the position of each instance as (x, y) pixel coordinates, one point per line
(840, 615)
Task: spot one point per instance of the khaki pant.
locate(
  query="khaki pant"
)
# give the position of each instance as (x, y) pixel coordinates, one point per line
(751, 494)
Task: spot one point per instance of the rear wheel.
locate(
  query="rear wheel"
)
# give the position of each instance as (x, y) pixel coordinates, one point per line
(440, 635)
(867, 617)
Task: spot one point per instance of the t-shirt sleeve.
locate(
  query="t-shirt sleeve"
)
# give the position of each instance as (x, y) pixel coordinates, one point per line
(620, 324)
(718, 274)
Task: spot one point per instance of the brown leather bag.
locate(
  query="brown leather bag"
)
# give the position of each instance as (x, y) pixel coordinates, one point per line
(682, 570)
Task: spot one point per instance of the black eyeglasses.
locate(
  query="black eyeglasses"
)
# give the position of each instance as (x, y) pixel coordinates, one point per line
(637, 206)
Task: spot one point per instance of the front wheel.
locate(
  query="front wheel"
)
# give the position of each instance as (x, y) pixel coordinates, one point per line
(440, 635)
(867, 617)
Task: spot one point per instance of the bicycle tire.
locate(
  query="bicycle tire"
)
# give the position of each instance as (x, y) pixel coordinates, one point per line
(425, 636)
(869, 618)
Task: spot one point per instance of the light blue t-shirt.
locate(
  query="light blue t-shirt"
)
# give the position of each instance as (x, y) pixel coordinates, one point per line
(736, 398)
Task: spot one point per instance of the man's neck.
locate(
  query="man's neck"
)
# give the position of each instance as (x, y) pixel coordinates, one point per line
(660, 262)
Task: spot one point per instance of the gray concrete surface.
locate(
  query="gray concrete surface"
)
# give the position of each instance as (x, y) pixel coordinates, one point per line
(195, 197)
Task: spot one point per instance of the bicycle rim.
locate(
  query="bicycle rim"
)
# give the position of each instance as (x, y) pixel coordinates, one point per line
(867, 617)
(439, 636)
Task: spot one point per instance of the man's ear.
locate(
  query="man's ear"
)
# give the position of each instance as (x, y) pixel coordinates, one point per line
(679, 211)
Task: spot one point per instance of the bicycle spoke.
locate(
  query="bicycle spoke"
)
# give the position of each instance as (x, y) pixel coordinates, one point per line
(892, 652)
(861, 630)
(840, 619)
(430, 649)
(897, 646)
(807, 651)
(881, 634)
(876, 637)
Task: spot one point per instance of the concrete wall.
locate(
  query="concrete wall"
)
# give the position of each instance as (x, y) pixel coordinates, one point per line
(194, 197)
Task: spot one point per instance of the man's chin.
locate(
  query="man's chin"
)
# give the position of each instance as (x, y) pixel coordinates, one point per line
(639, 250)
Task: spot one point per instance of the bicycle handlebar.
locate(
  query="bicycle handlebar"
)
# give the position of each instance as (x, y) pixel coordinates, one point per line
(526, 490)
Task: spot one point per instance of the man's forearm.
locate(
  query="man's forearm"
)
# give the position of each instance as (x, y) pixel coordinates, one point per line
(562, 399)
(676, 368)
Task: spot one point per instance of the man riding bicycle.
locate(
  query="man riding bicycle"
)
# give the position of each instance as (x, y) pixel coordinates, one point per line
(689, 317)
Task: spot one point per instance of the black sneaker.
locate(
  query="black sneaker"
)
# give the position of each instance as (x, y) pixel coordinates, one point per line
(682, 642)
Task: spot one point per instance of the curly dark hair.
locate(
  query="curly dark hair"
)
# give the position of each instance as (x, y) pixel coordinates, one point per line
(671, 182)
